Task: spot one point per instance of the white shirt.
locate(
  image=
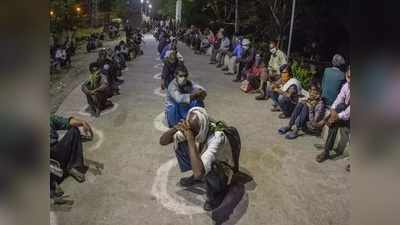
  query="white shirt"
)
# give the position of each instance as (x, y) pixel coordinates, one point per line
(217, 147)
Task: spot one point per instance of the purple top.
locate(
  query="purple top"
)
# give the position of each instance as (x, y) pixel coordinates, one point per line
(343, 97)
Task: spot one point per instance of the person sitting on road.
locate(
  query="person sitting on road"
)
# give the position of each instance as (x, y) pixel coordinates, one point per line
(285, 93)
(232, 58)
(97, 90)
(205, 150)
(246, 61)
(164, 41)
(172, 45)
(278, 59)
(339, 117)
(223, 49)
(171, 62)
(61, 57)
(306, 115)
(123, 50)
(216, 45)
(110, 70)
(68, 151)
(182, 95)
(333, 79)
(252, 81)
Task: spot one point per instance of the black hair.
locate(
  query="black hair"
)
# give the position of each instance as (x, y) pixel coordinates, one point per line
(286, 67)
(93, 67)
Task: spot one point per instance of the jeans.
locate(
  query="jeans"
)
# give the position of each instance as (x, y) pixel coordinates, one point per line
(286, 105)
(177, 112)
(299, 116)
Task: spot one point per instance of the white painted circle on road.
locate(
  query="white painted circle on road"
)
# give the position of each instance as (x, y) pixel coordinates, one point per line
(84, 112)
(159, 66)
(160, 123)
(160, 92)
(157, 76)
(173, 203)
(100, 135)
(157, 59)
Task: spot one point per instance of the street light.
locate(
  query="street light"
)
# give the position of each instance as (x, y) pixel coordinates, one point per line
(51, 13)
(78, 9)
(150, 6)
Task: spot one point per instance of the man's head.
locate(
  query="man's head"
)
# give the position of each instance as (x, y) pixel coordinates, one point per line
(273, 47)
(246, 44)
(198, 122)
(94, 68)
(182, 75)
(286, 73)
(315, 90)
(338, 61)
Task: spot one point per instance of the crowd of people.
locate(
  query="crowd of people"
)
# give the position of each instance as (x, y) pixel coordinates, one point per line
(105, 77)
(325, 105)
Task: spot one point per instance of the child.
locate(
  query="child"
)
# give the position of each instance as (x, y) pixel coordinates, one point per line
(306, 115)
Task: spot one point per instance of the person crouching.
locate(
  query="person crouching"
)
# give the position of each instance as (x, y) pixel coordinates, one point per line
(97, 90)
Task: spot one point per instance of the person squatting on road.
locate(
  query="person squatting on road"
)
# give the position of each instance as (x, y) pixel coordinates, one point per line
(97, 90)
(182, 95)
(203, 147)
(68, 151)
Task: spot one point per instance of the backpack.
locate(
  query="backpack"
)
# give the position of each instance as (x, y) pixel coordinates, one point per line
(234, 140)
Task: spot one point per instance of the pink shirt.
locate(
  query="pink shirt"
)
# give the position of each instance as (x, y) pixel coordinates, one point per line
(343, 97)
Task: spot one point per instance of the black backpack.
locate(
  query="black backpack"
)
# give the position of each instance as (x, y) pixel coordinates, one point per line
(234, 140)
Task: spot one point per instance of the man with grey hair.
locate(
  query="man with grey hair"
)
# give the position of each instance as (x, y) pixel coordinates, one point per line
(203, 148)
(333, 79)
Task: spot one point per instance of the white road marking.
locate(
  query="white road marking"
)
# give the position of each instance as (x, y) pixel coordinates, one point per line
(159, 92)
(53, 218)
(157, 76)
(105, 112)
(160, 123)
(173, 203)
(100, 140)
(159, 66)
(157, 59)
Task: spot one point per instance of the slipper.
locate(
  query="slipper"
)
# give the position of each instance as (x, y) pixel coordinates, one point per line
(291, 136)
(282, 116)
(283, 130)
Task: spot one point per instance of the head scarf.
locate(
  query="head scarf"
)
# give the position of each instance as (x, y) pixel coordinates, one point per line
(203, 119)
(338, 61)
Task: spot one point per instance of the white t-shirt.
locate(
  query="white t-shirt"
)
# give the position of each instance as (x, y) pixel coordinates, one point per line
(217, 147)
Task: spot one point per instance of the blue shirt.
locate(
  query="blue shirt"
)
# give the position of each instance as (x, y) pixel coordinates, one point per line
(164, 51)
(238, 51)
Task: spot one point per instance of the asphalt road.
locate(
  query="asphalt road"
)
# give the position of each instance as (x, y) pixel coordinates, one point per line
(138, 183)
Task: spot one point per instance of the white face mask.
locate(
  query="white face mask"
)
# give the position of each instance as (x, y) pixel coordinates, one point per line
(181, 80)
(273, 50)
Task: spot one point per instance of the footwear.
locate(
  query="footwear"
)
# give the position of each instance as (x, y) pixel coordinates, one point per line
(228, 73)
(236, 80)
(291, 135)
(212, 63)
(225, 69)
(283, 116)
(213, 204)
(260, 97)
(283, 130)
(319, 146)
(78, 176)
(189, 181)
(348, 169)
(321, 157)
(97, 112)
(275, 109)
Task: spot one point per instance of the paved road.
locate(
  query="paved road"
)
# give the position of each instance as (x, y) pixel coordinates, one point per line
(138, 182)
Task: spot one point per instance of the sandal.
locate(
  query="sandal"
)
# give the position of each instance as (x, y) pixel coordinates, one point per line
(321, 157)
(283, 130)
(78, 176)
(291, 135)
(283, 116)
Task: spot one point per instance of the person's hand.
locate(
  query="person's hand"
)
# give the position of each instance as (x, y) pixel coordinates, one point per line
(184, 127)
(202, 95)
(87, 129)
(333, 117)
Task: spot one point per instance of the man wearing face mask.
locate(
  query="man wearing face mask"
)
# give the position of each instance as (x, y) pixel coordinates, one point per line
(277, 60)
(246, 61)
(182, 95)
(171, 62)
(231, 58)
